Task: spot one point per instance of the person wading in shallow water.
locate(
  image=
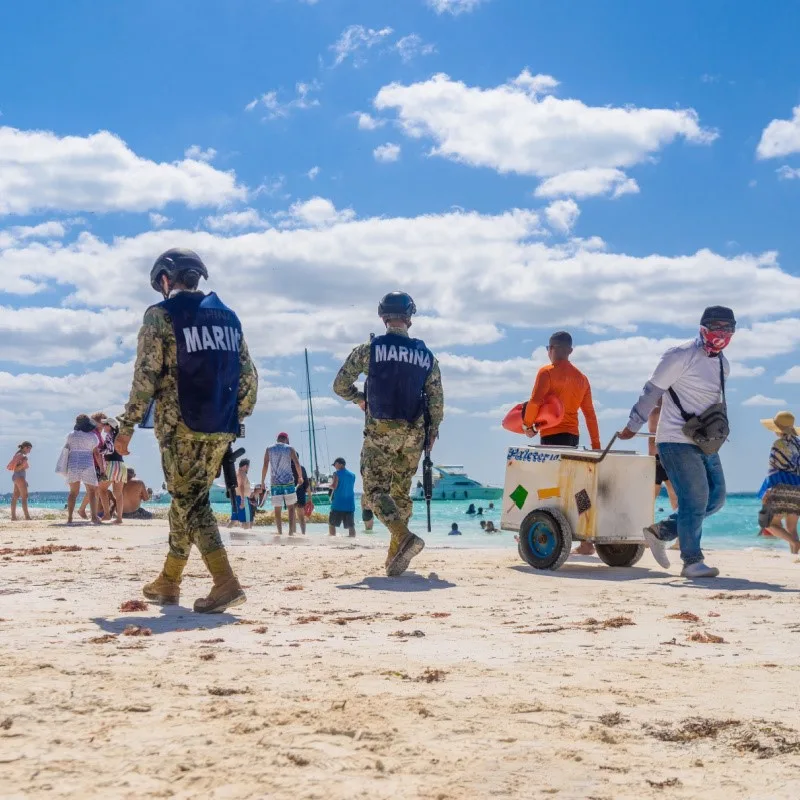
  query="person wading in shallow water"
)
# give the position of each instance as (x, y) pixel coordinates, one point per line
(192, 361)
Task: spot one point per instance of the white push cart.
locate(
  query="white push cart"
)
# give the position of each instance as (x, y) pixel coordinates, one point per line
(555, 495)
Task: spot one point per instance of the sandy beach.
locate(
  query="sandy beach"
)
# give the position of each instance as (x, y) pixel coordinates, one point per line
(472, 676)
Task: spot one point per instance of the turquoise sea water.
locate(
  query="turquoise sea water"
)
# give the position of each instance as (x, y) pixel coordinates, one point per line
(733, 528)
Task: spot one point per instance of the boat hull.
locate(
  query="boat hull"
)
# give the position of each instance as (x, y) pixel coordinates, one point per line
(469, 493)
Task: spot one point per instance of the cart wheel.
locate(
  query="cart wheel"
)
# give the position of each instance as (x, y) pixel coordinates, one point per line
(619, 555)
(545, 539)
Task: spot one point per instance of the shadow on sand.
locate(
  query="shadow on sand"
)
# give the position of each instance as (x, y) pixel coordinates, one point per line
(409, 582)
(169, 620)
(600, 572)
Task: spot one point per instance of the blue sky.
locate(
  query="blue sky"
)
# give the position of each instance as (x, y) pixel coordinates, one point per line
(517, 166)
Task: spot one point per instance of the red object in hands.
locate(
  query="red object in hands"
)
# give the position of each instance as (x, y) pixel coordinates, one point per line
(308, 508)
(550, 414)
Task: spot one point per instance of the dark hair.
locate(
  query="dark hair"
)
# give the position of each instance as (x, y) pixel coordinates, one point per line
(561, 339)
(131, 473)
(245, 462)
(84, 424)
(454, 526)
(189, 278)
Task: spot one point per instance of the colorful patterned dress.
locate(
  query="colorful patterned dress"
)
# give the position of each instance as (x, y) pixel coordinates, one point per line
(783, 479)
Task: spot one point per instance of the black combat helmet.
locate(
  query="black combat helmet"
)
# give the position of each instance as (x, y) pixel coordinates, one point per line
(175, 262)
(397, 304)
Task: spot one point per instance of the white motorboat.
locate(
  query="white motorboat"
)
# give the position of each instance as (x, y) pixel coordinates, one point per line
(451, 482)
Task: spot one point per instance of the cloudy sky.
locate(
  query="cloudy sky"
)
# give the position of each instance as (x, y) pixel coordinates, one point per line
(517, 166)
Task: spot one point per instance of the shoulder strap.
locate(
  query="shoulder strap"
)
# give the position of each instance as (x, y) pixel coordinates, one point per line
(722, 380)
(674, 396)
(686, 417)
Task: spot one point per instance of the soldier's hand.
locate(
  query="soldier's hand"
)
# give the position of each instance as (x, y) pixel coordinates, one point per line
(362, 404)
(121, 445)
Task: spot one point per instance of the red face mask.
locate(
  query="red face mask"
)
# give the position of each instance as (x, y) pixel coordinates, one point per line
(715, 341)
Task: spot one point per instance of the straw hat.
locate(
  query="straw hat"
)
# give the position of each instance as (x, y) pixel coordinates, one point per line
(781, 423)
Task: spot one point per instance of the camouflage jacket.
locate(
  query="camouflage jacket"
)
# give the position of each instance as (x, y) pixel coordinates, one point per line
(155, 376)
(357, 363)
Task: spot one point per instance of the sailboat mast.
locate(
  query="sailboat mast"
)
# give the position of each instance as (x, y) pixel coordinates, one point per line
(312, 433)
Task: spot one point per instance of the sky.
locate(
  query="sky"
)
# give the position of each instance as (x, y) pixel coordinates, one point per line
(517, 166)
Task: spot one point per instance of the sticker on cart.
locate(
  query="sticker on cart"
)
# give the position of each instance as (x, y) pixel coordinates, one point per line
(531, 456)
(582, 501)
(547, 494)
(519, 496)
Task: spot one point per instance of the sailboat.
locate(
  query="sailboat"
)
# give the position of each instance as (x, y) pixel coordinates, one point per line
(320, 481)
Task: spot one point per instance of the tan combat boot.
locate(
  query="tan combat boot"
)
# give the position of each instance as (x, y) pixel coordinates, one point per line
(403, 546)
(166, 588)
(226, 591)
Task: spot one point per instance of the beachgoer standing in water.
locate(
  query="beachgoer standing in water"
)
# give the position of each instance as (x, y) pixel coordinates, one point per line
(279, 459)
(303, 486)
(193, 363)
(691, 430)
(403, 379)
(561, 378)
(343, 499)
(18, 467)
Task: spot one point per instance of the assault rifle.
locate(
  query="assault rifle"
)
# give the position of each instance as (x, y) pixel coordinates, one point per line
(427, 464)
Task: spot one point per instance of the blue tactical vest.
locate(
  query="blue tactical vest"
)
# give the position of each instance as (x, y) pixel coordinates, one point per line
(208, 334)
(398, 369)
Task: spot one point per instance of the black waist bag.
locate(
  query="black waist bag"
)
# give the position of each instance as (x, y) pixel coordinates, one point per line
(708, 430)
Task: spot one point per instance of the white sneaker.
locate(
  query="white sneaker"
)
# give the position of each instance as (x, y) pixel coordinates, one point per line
(699, 570)
(657, 547)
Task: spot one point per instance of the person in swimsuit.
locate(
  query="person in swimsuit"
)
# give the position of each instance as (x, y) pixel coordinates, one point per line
(18, 467)
(103, 498)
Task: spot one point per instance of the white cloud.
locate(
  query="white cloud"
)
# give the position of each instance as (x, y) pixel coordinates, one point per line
(562, 215)
(792, 375)
(197, 152)
(411, 46)
(319, 212)
(512, 128)
(588, 183)
(312, 173)
(249, 218)
(366, 122)
(454, 7)
(57, 336)
(44, 230)
(354, 39)
(781, 137)
(320, 258)
(761, 400)
(277, 109)
(158, 220)
(386, 153)
(786, 173)
(741, 371)
(40, 170)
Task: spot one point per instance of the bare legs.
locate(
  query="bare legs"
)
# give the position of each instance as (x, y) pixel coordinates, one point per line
(788, 533)
(100, 491)
(301, 518)
(21, 494)
(292, 527)
(118, 488)
(279, 520)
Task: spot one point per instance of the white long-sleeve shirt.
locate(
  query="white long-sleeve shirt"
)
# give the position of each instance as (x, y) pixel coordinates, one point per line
(694, 376)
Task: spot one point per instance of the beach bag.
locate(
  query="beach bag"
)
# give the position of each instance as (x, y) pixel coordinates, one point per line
(308, 509)
(708, 430)
(62, 466)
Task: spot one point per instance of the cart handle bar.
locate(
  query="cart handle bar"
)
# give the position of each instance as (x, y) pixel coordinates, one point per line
(591, 459)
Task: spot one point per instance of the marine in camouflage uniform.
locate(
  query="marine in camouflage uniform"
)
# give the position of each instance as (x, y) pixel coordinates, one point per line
(392, 447)
(191, 460)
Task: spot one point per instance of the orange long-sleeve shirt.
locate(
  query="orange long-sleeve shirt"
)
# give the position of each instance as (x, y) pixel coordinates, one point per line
(572, 387)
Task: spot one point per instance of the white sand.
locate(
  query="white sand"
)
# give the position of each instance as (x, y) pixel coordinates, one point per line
(531, 701)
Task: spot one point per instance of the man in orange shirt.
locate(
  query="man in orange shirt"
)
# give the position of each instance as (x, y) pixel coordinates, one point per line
(571, 386)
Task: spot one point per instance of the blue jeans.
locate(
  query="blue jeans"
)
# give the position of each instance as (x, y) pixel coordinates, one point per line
(699, 484)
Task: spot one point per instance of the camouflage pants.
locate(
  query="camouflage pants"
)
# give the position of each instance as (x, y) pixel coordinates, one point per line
(190, 467)
(388, 464)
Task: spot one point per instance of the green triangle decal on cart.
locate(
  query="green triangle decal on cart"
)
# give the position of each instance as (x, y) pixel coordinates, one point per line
(519, 496)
